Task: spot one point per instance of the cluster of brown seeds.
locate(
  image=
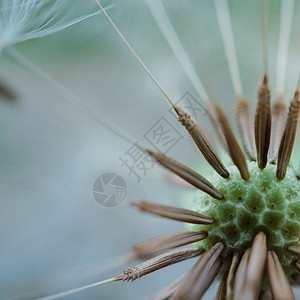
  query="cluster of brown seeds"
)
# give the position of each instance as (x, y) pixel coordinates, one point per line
(243, 279)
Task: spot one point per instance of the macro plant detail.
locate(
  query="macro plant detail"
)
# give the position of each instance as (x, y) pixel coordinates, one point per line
(244, 222)
(23, 20)
(248, 218)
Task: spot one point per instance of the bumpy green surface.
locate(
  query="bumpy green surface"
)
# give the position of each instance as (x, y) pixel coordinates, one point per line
(261, 204)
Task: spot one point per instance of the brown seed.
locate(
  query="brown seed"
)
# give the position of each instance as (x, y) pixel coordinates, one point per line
(201, 276)
(187, 174)
(166, 242)
(235, 150)
(242, 111)
(249, 274)
(240, 276)
(262, 123)
(298, 173)
(280, 286)
(157, 263)
(212, 115)
(174, 213)
(202, 142)
(297, 264)
(288, 137)
(294, 250)
(221, 292)
(278, 124)
(230, 277)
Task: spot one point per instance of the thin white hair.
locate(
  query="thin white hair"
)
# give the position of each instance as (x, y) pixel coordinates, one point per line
(22, 20)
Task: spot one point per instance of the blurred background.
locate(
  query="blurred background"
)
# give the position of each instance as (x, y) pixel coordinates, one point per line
(54, 236)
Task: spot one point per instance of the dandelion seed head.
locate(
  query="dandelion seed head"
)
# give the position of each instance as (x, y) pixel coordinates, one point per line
(249, 215)
(263, 203)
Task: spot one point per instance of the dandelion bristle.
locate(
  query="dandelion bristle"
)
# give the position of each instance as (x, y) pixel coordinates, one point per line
(288, 137)
(166, 242)
(223, 16)
(262, 123)
(264, 16)
(286, 20)
(279, 284)
(164, 23)
(187, 174)
(30, 19)
(78, 290)
(201, 276)
(174, 213)
(70, 97)
(202, 142)
(134, 54)
(235, 150)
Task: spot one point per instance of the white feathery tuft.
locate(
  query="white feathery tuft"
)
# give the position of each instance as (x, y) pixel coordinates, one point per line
(22, 20)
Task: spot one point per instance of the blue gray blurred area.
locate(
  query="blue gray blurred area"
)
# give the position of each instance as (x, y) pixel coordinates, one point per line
(54, 236)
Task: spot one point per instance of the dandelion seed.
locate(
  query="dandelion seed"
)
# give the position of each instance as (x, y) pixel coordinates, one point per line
(174, 213)
(288, 137)
(202, 142)
(243, 119)
(295, 250)
(251, 284)
(166, 242)
(200, 277)
(235, 151)
(279, 118)
(280, 286)
(221, 292)
(231, 276)
(157, 263)
(187, 174)
(262, 123)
